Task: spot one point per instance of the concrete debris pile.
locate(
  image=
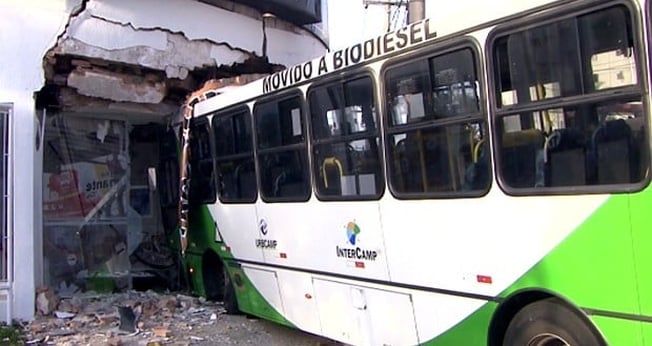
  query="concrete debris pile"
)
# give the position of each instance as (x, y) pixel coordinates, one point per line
(131, 318)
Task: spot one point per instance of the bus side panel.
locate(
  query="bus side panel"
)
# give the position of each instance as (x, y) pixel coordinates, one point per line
(365, 316)
(299, 300)
(451, 320)
(338, 237)
(193, 260)
(262, 301)
(265, 283)
(621, 332)
(498, 244)
(641, 218)
(646, 328)
(239, 230)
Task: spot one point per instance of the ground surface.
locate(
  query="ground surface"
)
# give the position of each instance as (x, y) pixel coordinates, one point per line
(159, 319)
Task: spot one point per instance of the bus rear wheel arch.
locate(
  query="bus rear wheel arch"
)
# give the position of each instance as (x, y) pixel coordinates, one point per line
(217, 282)
(212, 277)
(536, 318)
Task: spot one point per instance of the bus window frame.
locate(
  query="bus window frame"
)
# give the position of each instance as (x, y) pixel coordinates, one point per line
(639, 90)
(481, 116)
(340, 79)
(206, 123)
(276, 98)
(233, 111)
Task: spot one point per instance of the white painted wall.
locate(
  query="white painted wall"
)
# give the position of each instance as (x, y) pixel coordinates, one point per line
(29, 28)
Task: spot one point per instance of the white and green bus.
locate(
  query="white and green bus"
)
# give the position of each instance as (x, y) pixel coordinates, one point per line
(449, 183)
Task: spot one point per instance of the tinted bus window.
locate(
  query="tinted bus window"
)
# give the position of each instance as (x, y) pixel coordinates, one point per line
(436, 136)
(570, 110)
(236, 171)
(347, 162)
(202, 174)
(282, 154)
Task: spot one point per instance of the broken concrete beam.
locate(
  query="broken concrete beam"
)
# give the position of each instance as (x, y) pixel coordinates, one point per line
(80, 62)
(116, 86)
(69, 99)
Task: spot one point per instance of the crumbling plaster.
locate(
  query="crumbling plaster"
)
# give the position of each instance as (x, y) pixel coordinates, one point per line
(177, 39)
(157, 49)
(180, 36)
(117, 87)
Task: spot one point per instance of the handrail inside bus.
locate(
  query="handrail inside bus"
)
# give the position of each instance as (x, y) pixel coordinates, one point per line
(331, 161)
(476, 150)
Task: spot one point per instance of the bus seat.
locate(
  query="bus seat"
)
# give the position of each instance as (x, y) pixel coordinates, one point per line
(409, 165)
(279, 180)
(398, 173)
(245, 179)
(611, 153)
(565, 159)
(521, 153)
(437, 158)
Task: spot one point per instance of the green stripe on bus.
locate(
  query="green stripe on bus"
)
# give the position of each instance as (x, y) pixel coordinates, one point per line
(201, 239)
(592, 260)
(251, 301)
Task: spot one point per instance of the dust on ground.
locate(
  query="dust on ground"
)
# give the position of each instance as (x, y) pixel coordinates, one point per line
(152, 319)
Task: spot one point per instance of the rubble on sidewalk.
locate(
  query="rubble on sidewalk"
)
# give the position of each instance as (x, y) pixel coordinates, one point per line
(130, 318)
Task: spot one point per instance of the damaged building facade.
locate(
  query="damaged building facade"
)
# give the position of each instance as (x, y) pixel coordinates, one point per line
(86, 89)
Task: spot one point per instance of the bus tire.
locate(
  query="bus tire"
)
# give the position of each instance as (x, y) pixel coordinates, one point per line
(550, 322)
(230, 300)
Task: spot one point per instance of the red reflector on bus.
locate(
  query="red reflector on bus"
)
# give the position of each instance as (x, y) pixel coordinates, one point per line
(485, 279)
(359, 264)
(283, 255)
(228, 249)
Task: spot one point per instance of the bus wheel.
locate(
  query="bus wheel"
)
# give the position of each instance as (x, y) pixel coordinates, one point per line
(230, 300)
(550, 322)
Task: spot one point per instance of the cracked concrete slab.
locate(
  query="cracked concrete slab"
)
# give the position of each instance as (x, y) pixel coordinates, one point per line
(115, 86)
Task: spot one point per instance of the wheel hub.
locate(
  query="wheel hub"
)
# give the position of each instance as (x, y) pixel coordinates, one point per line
(547, 339)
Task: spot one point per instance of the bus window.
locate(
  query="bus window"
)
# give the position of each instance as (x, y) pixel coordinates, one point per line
(406, 86)
(590, 139)
(455, 88)
(345, 140)
(236, 172)
(282, 154)
(443, 152)
(202, 175)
